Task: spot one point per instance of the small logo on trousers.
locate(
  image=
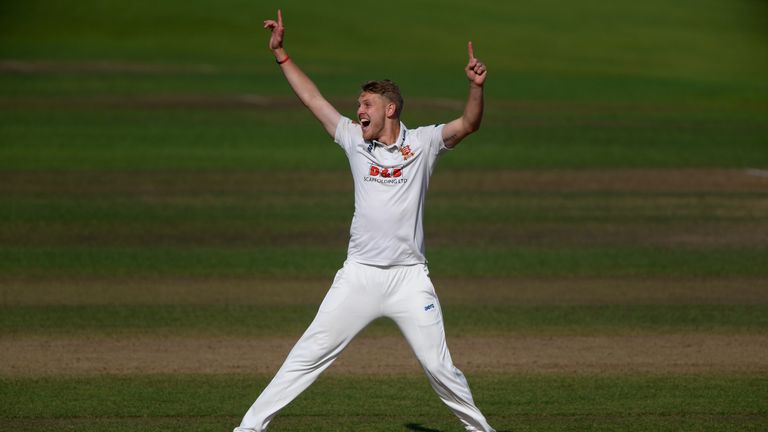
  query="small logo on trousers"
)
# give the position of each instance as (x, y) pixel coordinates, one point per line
(429, 307)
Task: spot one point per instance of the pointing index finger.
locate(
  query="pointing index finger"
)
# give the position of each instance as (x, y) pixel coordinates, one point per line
(471, 50)
(279, 17)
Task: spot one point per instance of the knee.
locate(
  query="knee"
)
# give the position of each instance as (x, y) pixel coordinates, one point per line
(434, 365)
(314, 348)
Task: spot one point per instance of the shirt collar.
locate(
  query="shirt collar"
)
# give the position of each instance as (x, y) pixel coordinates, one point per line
(400, 140)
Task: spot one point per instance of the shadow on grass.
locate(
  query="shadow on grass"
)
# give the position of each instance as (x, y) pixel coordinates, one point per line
(419, 428)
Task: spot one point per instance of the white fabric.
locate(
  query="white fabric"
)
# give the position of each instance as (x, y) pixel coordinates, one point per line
(390, 186)
(385, 275)
(360, 294)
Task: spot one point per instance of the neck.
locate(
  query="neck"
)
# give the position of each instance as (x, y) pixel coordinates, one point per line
(391, 132)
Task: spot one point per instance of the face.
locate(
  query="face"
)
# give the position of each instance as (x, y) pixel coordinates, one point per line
(371, 112)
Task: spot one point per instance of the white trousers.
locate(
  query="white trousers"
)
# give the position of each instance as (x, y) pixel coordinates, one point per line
(360, 294)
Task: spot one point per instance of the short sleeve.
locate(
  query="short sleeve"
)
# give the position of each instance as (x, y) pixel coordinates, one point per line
(346, 131)
(433, 135)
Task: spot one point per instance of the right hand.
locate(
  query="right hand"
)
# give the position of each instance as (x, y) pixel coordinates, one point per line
(277, 29)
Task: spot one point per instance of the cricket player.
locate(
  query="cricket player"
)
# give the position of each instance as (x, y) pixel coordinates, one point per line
(385, 274)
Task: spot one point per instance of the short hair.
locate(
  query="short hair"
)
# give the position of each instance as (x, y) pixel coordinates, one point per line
(388, 89)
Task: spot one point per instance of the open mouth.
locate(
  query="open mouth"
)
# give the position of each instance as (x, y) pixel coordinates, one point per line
(365, 122)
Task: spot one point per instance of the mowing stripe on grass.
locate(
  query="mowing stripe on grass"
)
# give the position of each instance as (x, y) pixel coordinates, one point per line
(459, 319)
(287, 290)
(290, 206)
(289, 139)
(516, 402)
(142, 354)
(28, 187)
(293, 261)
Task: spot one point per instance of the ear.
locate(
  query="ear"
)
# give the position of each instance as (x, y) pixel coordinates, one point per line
(391, 109)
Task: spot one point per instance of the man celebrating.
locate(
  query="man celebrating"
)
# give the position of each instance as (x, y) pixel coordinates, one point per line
(385, 273)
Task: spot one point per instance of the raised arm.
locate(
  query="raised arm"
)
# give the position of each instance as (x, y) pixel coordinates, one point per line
(304, 88)
(458, 129)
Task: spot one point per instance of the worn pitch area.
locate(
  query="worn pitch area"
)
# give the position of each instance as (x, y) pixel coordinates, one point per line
(693, 209)
(389, 355)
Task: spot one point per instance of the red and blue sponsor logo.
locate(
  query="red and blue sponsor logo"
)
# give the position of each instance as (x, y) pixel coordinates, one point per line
(385, 172)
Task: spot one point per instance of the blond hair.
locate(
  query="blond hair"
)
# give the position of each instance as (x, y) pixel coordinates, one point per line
(388, 89)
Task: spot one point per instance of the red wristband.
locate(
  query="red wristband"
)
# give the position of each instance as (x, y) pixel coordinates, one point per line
(283, 60)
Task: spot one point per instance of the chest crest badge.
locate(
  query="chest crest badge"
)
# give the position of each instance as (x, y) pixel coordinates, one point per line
(406, 152)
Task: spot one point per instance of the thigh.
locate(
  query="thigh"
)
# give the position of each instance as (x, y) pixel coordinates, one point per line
(417, 312)
(415, 301)
(345, 310)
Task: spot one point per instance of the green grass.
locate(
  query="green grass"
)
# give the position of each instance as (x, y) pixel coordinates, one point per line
(258, 320)
(101, 187)
(286, 139)
(536, 402)
(283, 209)
(649, 39)
(624, 85)
(457, 261)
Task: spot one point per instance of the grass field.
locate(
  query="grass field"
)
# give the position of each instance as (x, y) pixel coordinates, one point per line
(171, 216)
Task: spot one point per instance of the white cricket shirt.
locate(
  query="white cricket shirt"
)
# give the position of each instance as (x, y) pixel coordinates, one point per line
(390, 186)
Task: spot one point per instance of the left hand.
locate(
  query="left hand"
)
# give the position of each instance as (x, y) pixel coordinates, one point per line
(476, 71)
(277, 29)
